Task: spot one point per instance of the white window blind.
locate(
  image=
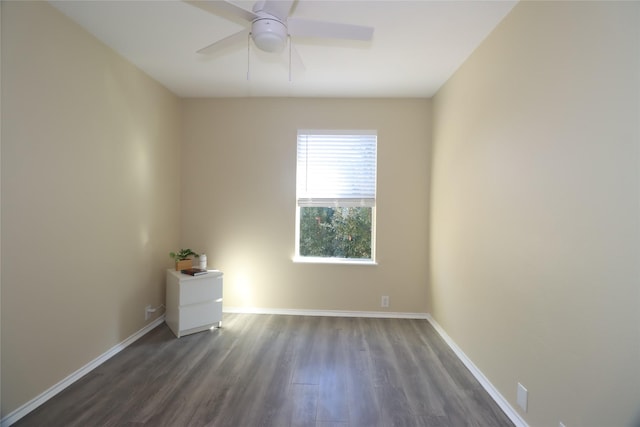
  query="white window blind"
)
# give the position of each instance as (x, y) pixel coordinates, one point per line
(336, 168)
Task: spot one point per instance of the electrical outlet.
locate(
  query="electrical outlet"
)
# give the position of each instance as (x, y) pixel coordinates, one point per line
(522, 397)
(147, 312)
(384, 302)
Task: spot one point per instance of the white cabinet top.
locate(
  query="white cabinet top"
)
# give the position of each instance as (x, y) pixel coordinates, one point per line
(183, 277)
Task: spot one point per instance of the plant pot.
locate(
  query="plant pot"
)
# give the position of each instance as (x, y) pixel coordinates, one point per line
(184, 264)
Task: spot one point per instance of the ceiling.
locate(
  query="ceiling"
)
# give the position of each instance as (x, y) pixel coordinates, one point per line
(417, 45)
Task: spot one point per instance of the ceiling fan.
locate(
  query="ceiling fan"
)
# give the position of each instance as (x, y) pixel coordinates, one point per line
(270, 26)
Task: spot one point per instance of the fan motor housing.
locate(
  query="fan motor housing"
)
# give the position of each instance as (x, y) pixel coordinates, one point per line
(269, 34)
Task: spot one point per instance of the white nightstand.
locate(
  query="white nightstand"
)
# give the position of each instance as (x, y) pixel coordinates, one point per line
(194, 303)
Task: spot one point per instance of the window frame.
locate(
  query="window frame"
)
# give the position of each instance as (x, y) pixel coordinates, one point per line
(332, 204)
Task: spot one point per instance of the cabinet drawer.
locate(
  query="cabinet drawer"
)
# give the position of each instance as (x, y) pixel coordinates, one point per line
(200, 290)
(197, 315)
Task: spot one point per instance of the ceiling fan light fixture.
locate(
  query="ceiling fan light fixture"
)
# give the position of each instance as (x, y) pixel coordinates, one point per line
(269, 34)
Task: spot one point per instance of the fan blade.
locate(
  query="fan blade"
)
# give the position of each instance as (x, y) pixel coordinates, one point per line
(278, 8)
(224, 9)
(329, 30)
(232, 40)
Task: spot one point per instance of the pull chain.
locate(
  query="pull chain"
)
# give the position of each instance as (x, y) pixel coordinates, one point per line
(289, 37)
(248, 54)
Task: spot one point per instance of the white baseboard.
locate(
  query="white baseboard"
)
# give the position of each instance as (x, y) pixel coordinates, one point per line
(57, 388)
(513, 415)
(328, 313)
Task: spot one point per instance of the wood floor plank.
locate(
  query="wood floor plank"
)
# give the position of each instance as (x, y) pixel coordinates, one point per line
(305, 405)
(279, 371)
(331, 424)
(308, 361)
(423, 394)
(332, 395)
(364, 408)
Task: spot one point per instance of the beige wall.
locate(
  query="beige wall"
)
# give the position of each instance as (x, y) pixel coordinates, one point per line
(238, 201)
(536, 210)
(90, 198)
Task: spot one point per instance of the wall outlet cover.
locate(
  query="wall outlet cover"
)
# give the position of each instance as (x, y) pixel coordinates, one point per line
(522, 397)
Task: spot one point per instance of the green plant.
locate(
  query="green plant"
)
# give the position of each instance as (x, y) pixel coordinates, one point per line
(183, 254)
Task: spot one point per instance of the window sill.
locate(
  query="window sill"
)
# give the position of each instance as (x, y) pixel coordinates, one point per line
(341, 261)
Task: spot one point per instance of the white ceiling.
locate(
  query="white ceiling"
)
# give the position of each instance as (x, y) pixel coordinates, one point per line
(417, 45)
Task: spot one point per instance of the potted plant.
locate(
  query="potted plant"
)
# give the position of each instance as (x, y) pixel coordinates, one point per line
(182, 259)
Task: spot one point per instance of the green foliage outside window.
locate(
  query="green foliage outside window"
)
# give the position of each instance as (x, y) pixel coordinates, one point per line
(335, 232)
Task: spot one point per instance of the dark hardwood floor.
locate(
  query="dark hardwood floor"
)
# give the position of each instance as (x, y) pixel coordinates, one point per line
(272, 370)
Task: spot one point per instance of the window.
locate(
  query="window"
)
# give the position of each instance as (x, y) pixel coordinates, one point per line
(336, 195)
